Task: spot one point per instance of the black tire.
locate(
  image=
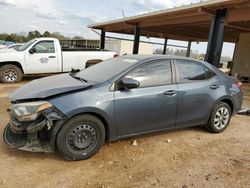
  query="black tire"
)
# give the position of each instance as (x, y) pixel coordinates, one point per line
(213, 124)
(10, 74)
(81, 137)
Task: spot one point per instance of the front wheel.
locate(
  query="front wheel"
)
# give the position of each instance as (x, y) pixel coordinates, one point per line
(10, 74)
(81, 137)
(220, 118)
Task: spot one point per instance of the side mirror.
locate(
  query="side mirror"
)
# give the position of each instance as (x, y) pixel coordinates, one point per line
(32, 50)
(128, 83)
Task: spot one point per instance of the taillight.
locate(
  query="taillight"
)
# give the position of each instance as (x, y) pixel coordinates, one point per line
(116, 55)
(239, 85)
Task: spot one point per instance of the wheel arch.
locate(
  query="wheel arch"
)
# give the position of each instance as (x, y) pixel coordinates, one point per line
(230, 103)
(225, 99)
(16, 63)
(109, 129)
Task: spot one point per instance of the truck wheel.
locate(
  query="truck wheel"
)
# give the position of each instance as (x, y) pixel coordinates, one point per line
(81, 137)
(10, 74)
(220, 118)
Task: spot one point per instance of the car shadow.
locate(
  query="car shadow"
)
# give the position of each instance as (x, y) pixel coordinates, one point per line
(55, 156)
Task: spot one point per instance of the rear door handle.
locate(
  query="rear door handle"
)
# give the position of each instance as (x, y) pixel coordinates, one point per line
(215, 86)
(52, 56)
(170, 92)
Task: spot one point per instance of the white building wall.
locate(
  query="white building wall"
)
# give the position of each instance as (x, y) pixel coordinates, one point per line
(113, 45)
(126, 47)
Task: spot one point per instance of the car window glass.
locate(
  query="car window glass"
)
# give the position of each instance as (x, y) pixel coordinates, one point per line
(26, 45)
(45, 47)
(153, 74)
(190, 71)
(209, 73)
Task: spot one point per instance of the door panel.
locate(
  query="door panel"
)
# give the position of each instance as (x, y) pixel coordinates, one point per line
(196, 96)
(145, 109)
(194, 104)
(44, 60)
(150, 107)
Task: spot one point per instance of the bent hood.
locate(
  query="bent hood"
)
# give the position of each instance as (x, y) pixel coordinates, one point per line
(47, 87)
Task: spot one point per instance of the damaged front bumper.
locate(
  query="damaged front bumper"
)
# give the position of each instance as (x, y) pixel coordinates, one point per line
(34, 135)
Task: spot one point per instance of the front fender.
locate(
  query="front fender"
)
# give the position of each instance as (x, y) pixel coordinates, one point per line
(109, 123)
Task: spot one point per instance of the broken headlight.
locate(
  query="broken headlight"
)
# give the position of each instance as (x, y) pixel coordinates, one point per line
(29, 111)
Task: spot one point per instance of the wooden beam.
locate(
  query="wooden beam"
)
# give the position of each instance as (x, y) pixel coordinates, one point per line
(188, 31)
(174, 35)
(131, 23)
(238, 15)
(206, 11)
(238, 27)
(184, 20)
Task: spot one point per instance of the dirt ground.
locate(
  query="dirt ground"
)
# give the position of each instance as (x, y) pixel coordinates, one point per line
(192, 158)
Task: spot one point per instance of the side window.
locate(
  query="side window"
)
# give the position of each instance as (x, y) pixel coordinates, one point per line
(189, 71)
(209, 73)
(153, 74)
(45, 47)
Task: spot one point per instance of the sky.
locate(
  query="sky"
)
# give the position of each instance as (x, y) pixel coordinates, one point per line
(72, 17)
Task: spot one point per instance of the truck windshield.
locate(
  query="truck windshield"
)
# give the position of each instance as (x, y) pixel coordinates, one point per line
(107, 69)
(26, 45)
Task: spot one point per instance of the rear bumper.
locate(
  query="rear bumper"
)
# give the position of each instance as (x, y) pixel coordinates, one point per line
(239, 101)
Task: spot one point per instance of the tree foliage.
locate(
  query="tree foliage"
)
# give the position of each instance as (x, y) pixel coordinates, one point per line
(33, 34)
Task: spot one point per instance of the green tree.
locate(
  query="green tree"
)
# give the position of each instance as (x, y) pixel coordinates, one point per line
(34, 34)
(46, 34)
(77, 38)
(9, 38)
(57, 35)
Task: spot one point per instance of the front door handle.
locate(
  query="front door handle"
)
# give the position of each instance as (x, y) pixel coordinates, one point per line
(214, 86)
(170, 92)
(52, 56)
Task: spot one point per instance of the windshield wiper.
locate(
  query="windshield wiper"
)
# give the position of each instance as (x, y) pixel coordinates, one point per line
(73, 75)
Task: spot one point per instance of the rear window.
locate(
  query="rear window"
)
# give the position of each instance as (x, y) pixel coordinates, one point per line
(209, 73)
(190, 71)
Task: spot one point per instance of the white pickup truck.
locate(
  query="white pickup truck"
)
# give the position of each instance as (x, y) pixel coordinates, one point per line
(44, 55)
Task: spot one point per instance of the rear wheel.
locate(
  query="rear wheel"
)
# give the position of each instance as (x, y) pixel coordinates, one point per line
(81, 137)
(220, 118)
(10, 74)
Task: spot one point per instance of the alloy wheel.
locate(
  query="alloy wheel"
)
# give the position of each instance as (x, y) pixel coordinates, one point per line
(221, 118)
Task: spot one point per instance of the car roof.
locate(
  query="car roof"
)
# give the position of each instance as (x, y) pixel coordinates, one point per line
(155, 57)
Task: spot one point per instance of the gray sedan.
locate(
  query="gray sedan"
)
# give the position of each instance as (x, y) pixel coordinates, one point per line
(77, 113)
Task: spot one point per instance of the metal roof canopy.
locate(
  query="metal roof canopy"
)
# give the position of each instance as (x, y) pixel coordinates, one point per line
(187, 23)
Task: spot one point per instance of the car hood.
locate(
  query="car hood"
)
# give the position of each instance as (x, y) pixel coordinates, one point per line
(5, 50)
(48, 87)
